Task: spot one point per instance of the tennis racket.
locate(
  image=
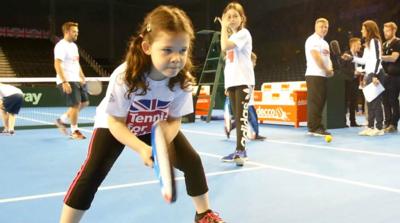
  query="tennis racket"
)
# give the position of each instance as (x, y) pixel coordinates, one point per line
(162, 164)
(94, 87)
(227, 117)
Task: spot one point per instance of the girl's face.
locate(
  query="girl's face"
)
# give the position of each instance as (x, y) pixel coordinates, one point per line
(168, 52)
(364, 32)
(234, 19)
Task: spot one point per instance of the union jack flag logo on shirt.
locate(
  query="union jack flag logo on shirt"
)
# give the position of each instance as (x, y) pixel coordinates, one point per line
(149, 105)
(143, 113)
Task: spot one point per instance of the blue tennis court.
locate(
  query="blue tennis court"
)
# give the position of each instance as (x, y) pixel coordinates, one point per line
(291, 177)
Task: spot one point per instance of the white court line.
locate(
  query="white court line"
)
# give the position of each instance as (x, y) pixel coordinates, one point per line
(315, 175)
(34, 120)
(57, 115)
(46, 122)
(120, 186)
(347, 150)
(44, 79)
(257, 164)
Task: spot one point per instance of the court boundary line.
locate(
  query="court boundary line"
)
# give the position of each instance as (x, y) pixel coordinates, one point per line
(315, 175)
(59, 114)
(257, 164)
(121, 186)
(320, 147)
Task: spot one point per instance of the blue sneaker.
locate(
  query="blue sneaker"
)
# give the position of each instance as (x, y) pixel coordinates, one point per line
(240, 157)
(231, 157)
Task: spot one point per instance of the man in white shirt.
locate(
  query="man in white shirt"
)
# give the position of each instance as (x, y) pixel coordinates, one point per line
(70, 79)
(319, 67)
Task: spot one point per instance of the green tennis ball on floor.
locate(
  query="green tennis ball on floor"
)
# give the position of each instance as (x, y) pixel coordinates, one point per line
(328, 138)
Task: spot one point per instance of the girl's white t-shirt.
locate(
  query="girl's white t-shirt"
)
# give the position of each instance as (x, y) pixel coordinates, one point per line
(141, 111)
(238, 66)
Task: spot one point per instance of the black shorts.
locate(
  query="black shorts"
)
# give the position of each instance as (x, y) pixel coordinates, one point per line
(13, 103)
(79, 94)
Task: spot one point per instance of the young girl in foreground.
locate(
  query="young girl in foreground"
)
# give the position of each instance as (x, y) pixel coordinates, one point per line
(154, 83)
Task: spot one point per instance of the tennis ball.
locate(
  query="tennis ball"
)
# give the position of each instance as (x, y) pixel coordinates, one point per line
(328, 138)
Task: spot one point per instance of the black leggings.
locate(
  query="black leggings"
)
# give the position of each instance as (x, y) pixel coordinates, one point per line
(375, 113)
(104, 150)
(239, 97)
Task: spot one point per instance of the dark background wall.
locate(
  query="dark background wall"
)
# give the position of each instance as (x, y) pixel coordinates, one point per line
(279, 28)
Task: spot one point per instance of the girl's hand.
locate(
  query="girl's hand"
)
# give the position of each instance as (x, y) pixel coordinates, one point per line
(223, 21)
(375, 81)
(145, 154)
(347, 57)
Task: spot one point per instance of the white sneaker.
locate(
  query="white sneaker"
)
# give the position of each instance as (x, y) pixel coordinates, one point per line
(366, 132)
(377, 132)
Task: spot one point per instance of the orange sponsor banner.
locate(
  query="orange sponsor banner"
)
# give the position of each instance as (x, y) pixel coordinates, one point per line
(284, 113)
(257, 95)
(275, 96)
(267, 87)
(285, 87)
(202, 105)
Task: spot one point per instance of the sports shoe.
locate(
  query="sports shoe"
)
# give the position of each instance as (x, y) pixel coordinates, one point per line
(77, 135)
(260, 138)
(319, 132)
(376, 132)
(240, 157)
(11, 132)
(390, 129)
(366, 132)
(61, 126)
(208, 217)
(5, 132)
(231, 157)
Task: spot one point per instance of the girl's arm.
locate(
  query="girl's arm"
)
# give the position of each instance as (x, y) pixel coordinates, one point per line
(363, 60)
(359, 60)
(226, 44)
(119, 130)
